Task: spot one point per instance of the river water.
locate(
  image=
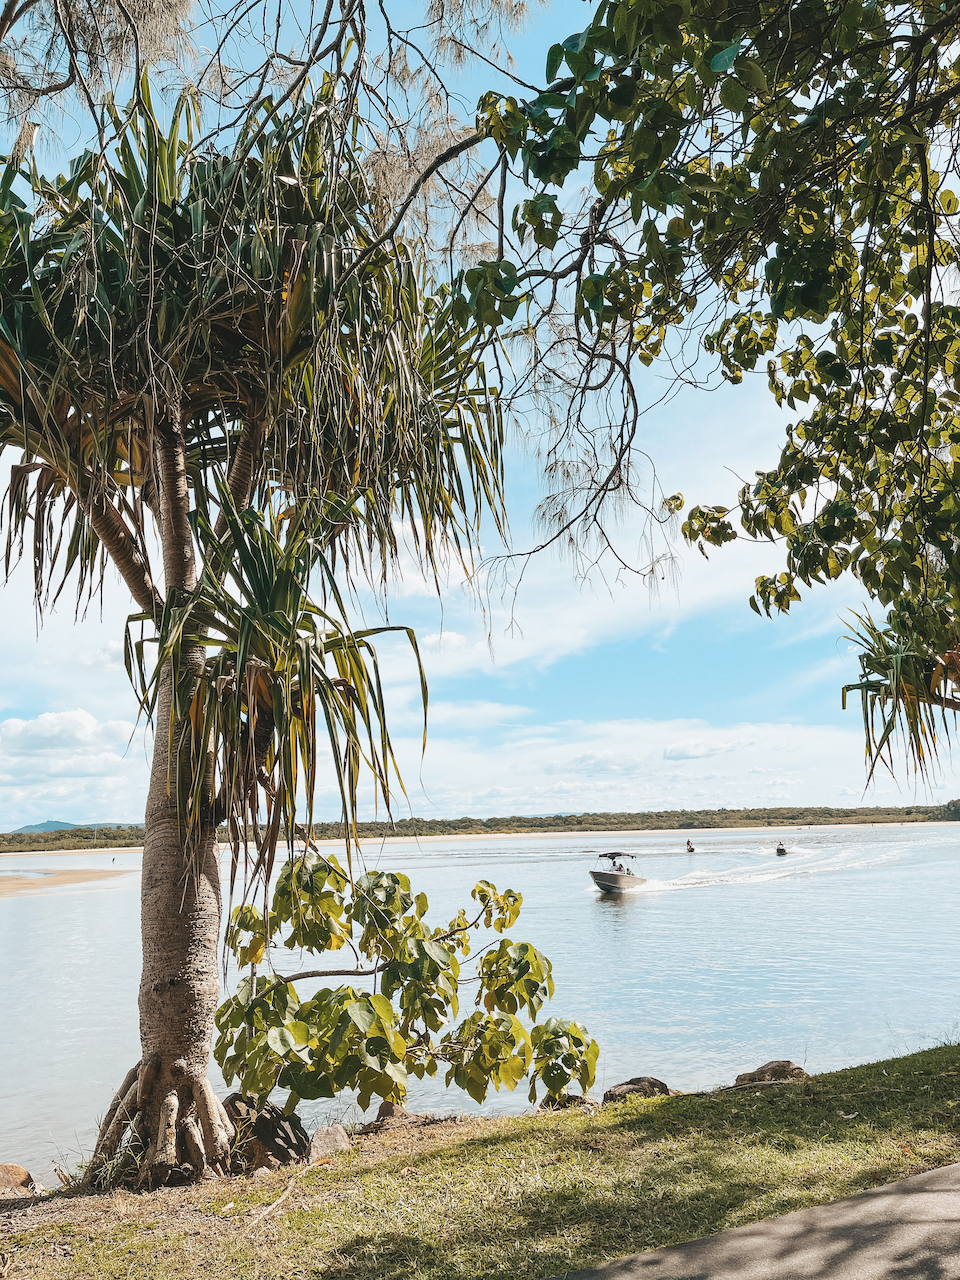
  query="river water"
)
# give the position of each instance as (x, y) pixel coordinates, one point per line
(843, 952)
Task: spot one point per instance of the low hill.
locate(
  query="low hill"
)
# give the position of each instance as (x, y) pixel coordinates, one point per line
(52, 824)
(42, 836)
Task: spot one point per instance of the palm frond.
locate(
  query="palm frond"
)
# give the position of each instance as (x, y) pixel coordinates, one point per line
(907, 690)
(277, 666)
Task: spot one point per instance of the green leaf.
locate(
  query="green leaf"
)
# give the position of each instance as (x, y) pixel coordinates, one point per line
(281, 1040)
(576, 43)
(734, 95)
(724, 60)
(554, 58)
(751, 74)
(362, 1014)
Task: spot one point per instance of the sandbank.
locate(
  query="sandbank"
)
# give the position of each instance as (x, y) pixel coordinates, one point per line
(47, 881)
(66, 853)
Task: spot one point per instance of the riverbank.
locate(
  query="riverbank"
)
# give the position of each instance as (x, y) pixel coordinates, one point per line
(475, 1198)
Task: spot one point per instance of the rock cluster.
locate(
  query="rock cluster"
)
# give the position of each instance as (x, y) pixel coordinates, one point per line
(650, 1087)
(327, 1140)
(266, 1138)
(646, 1086)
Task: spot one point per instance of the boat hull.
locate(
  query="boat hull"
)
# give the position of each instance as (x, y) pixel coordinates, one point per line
(614, 881)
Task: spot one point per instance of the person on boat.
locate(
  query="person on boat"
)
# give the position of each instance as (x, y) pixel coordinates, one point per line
(780, 849)
(690, 848)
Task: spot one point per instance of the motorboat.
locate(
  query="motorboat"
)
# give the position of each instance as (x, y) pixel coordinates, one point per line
(611, 880)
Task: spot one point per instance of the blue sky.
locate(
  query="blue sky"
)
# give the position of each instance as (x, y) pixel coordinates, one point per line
(598, 697)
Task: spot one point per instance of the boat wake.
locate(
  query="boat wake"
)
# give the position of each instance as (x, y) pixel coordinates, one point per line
(799, 863)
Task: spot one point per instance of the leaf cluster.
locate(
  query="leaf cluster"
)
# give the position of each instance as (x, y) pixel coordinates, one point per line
(214, 350)
(373, 1040)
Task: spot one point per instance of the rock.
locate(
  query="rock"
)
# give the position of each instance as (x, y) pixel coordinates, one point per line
(326, 1140)
(770, 1071)
(646, 1086)
(390, 1113)
(568, 1100)
(266, 1139)
(15, 1180)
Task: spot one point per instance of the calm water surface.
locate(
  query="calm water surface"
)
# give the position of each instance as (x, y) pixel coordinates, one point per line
(843, 952)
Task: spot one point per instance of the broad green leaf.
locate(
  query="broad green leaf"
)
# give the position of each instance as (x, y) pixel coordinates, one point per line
(724, 60)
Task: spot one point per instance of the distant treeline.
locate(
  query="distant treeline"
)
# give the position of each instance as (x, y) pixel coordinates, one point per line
(73, 838)
(663, 820)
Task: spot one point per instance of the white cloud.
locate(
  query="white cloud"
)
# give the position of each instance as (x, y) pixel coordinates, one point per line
(619, 766)
(71, 766)
(699, 748)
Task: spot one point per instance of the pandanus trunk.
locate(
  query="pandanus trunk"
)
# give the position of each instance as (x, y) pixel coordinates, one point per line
(179, 987)
(165, 1116)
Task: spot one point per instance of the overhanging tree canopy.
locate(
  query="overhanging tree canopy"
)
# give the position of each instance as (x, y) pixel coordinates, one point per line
(772, 183)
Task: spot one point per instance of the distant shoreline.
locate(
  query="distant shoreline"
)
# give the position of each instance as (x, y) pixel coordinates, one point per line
(515, 835)
(410, 830)
(53, 880)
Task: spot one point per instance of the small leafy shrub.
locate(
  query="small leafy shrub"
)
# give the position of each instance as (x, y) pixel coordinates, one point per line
(405, 1023)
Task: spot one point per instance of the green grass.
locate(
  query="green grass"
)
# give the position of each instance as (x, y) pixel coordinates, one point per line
(540, 1195)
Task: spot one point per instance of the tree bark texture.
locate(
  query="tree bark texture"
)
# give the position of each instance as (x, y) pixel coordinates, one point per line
(166, 1109)
(179, 988)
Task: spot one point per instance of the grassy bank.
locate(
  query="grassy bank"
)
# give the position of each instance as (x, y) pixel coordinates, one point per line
(508, 1197)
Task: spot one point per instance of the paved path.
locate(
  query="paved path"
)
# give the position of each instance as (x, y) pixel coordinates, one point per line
(909, 1230)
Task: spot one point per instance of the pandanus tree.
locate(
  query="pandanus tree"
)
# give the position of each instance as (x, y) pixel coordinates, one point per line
(219, 378)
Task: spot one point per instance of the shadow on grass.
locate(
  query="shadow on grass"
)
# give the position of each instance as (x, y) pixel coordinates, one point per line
(651, 1173)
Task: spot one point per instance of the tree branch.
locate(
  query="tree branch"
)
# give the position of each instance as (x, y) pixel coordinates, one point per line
(121, 546)
(240, 478)
(438, 162)
(322, 973)
(179, 561)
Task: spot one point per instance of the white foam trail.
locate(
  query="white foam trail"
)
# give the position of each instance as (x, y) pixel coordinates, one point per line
(806, 862)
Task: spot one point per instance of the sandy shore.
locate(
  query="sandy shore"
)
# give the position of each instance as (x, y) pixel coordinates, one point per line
(47, 881)
(67, 853)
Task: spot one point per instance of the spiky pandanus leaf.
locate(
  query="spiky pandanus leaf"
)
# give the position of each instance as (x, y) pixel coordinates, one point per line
(173, 316)
(277, 665)
(909, 690)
